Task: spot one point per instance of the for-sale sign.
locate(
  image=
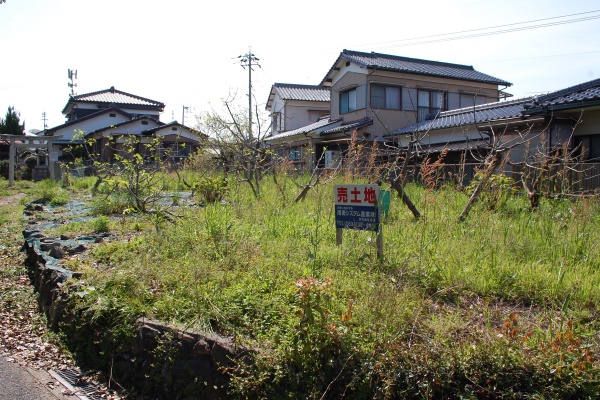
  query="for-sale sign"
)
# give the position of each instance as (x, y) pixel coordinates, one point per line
(356, 207)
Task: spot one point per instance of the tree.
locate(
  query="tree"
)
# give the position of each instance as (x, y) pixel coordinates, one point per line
(239, 146)
(11, 124)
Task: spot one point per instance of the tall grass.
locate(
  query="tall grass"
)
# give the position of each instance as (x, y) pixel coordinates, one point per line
(442, 288)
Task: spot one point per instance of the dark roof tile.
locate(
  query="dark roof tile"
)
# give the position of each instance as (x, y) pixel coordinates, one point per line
(571, 96)
(113, 96)
(416, 66)
(468, 115)
(350, 126)
(323, 122)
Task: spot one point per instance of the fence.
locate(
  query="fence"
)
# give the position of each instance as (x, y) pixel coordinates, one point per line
(574, 178)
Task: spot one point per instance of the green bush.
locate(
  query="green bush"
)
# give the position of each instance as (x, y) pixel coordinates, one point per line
(51, 192)
(499, 189)
(101, 224)
(212, 190)
(4, 168)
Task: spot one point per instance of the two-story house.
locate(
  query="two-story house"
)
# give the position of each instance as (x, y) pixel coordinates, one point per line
(565, 122)
(373, 94)
(115, 115)
(292, 107)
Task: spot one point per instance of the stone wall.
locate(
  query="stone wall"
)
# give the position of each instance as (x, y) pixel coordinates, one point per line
(196, 364)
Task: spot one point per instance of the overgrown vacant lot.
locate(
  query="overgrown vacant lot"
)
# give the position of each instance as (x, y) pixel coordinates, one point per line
(502, 305)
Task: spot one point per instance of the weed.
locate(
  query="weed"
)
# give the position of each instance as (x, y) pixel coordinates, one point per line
(101, 224)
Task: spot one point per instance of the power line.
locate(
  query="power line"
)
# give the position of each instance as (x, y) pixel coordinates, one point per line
(397, 43)
(531, 58)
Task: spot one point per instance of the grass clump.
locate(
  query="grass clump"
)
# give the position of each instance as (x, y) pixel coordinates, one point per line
(101, 224)
(52, 192)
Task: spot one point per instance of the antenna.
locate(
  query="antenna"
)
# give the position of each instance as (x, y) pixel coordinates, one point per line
(72, 77)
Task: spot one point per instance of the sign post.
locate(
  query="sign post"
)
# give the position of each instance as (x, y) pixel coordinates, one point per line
(357, 207)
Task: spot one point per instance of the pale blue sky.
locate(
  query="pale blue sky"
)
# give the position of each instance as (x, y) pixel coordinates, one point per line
(183, 52)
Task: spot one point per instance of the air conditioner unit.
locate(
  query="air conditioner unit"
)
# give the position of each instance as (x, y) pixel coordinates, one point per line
(333, 158)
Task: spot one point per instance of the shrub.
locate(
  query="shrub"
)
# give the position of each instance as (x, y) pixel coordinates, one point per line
(4, 167)
(51, 192)
(101, 224)
(212, 190)
(499, 189)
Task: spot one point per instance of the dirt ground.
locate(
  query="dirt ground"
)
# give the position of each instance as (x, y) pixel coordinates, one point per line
(10, 200)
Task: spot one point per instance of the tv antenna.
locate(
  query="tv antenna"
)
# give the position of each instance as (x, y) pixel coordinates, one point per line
(72, 78)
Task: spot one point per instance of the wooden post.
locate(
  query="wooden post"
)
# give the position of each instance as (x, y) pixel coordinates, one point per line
(12, 153)
(50, 161)
(338, 236)
(380, 241)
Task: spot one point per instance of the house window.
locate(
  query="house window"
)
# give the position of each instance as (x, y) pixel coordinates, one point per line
(276, 122)
(430, 103)
(112, 115)
(347, 101)
(587, 147)
(295, 154)
(387, 97)
(144, 122)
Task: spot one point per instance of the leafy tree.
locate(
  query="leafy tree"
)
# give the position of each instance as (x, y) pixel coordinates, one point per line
(238, 146)
(11, 124)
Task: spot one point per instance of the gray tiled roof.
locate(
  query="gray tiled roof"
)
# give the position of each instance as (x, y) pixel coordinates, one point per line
(302, 92)
(114, 96)
(417, 66)
(469, 115)
(323, 122)
(291, 91)
(571, 96)
(349, 126)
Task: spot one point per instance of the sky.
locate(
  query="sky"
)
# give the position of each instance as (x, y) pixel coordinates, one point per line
(185, 53)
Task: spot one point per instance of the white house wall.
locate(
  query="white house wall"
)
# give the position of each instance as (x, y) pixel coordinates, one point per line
(132, 110)
(133, 128)
(90, 125)
(183, 134)
(297, 113)
(345, 69)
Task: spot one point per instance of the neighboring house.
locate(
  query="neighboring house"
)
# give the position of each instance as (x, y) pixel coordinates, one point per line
(293, 106)
(372, 95)
(533, 128)
(117, 114)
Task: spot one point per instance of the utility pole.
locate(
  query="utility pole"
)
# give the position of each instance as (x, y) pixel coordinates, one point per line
(72, 77)
(249, 60)
(44, 119)
(183, 114)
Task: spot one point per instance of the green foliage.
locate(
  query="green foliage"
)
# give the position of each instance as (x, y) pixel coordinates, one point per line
(499, 189)
(11, 124)
(51, 192)
(4, 168)
(97, 326)
(211, 189)
(503, 305)
(101, 224)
